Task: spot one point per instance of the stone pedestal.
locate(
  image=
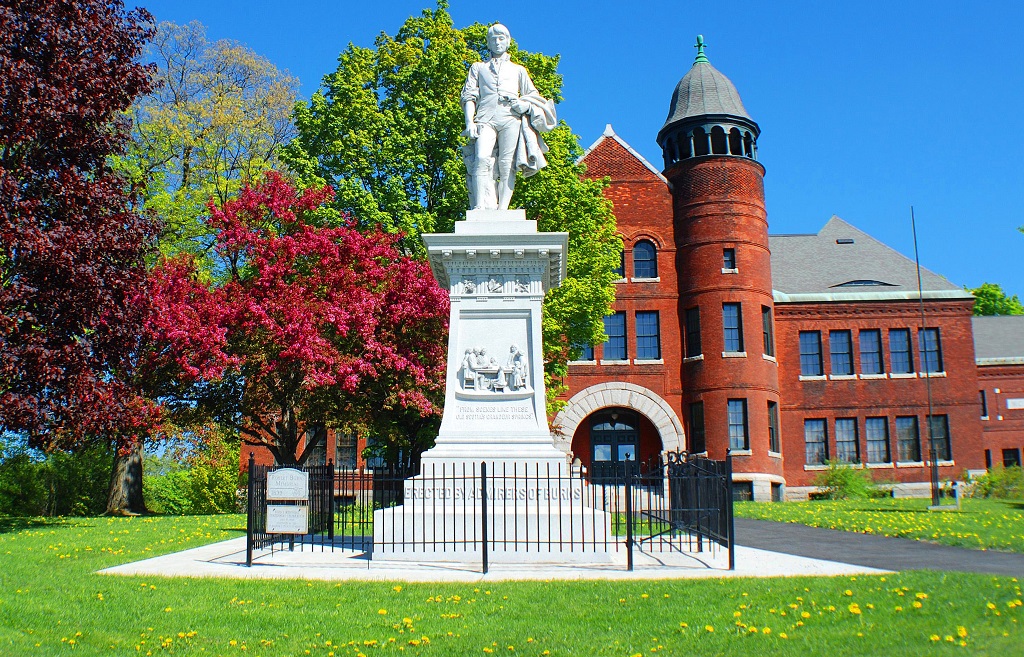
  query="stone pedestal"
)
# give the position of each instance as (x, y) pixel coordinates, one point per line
(497, 268)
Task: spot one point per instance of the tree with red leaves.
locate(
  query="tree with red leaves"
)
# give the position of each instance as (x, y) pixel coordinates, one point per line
(313, 327)
(72, 250)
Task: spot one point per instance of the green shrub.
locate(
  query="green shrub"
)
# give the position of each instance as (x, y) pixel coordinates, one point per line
(197, 474)
(841, 481)
(999, 482)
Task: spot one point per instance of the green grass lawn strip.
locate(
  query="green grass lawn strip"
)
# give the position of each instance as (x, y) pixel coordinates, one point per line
(980, 524)
(53, 603)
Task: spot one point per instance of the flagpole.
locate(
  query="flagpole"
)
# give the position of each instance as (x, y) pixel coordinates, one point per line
(927, 374)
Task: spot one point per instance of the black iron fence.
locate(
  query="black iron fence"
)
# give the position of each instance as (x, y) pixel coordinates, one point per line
(480, 512)
(318, 503)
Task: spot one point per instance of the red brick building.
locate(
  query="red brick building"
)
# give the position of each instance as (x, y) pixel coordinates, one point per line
(787, 350)
(999, 353)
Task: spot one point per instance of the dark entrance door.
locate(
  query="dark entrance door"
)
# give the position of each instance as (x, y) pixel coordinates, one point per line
(614, 440)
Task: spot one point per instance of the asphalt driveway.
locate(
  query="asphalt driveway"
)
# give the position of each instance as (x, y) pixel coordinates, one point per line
(873, 551)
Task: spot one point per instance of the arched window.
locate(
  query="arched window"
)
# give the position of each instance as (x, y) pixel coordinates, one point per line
(718, 141)
(748, 143)
(735, 142)
(700, 142)
(645, 260)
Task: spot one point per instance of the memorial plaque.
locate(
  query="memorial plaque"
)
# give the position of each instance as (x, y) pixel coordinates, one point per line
(288, 484)
(287, 519)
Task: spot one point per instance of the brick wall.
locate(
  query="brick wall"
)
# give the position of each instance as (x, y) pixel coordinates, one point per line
(954, 394)
(718, 205)
(1003, 427)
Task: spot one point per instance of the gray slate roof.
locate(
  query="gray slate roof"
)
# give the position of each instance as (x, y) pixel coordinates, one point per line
(704, 90)
(819, 265)
(1000, 338)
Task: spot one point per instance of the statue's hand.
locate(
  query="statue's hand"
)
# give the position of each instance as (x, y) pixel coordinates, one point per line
(471, 131)
(520, 107)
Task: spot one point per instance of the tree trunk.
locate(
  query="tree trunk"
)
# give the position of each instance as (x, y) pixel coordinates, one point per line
(125, 496)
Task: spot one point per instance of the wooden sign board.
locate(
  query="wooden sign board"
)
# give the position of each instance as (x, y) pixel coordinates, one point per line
(287, 519)
(287, 484)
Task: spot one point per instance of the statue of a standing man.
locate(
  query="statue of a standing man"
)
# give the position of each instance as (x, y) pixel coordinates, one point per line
(504, 116)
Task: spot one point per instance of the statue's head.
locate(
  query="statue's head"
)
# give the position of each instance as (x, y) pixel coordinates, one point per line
(498, 39)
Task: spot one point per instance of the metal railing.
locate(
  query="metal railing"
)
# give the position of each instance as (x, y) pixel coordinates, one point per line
(486, 512)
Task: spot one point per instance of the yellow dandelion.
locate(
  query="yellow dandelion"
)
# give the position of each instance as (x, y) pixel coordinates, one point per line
(847, 592)
(709, 628)
(916, 604)
(934, 637)
(783, 635)
(382, 612)
(961, 632)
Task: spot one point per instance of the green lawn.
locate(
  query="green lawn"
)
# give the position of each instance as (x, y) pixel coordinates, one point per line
(981, 524)
(52, 603)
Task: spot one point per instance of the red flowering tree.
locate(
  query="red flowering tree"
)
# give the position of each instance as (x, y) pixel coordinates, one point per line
(312, 326)
(72, 250)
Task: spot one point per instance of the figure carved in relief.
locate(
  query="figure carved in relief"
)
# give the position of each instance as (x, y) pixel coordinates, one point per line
(517, 364)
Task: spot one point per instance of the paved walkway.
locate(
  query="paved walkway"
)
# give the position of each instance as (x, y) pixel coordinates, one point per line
(873, 551)
(227, 559)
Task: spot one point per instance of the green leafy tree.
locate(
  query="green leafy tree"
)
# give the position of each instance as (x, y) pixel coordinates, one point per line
(214, 121)
(385, 132)
(992, 300)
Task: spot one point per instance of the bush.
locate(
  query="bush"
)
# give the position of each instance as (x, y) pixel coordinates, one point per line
(841, 481)
(999, 482)
(198, 474)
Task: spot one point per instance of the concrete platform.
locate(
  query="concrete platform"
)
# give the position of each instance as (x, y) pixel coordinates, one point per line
(227, 559)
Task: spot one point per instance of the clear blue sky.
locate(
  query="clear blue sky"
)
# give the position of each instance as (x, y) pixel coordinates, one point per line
(865, 108)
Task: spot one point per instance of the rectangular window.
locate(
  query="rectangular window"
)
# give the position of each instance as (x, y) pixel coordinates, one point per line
(902, 359)
(773, 427)
(871, 352)
(316, 444)
(345, 454)
(876, 430)
(732, 325)
(907, 439)
(693, 332)
(940, 434)
(697, 428)
(815, 442)
(847, 450)
(768, 331)
(738, 424)
(615, 345)
(586, 351)
(841, 349)
(810, 353)
(931, 350)
(648, 340)
(1011, 458)
(984, 404)
(728, 258)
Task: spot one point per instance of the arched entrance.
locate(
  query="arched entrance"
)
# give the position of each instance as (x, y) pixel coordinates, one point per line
(613, 423)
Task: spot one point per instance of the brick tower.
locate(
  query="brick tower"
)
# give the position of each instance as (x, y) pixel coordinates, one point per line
(730, 379)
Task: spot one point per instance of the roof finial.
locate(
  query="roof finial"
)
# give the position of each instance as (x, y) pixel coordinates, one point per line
(701, 57)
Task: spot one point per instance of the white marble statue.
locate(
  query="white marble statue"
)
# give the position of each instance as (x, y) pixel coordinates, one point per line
(504, 118)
